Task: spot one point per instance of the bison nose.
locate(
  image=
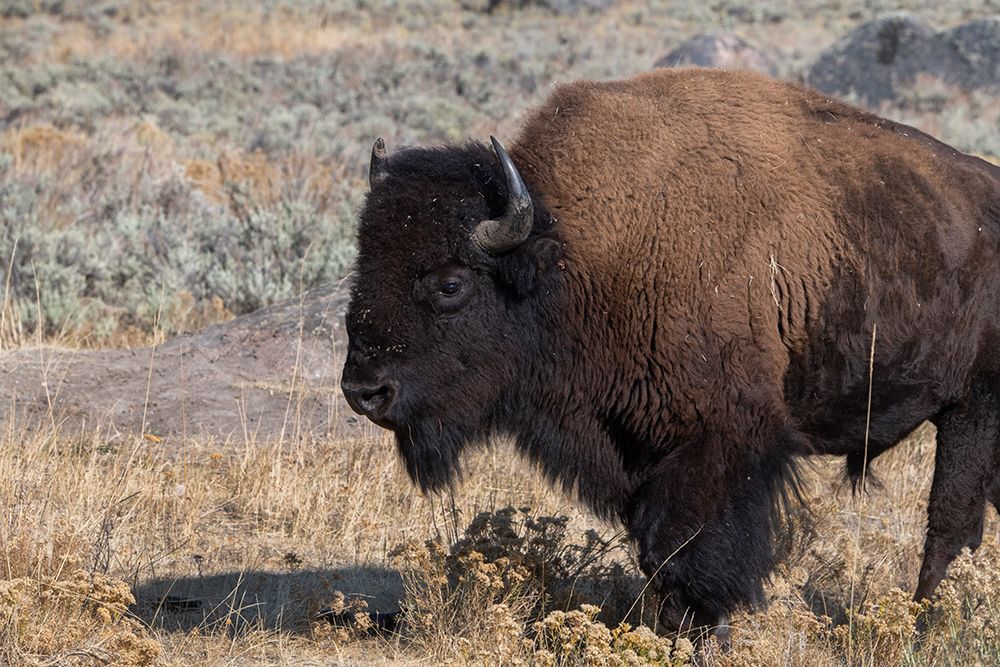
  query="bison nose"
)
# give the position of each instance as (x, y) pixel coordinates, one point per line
(371, 399)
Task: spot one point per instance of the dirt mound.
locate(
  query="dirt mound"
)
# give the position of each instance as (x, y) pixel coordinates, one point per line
(274, 372)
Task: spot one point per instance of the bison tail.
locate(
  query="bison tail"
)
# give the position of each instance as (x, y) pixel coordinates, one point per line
(859, 471)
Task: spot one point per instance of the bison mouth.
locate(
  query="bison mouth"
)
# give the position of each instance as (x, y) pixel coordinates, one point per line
(384, 422)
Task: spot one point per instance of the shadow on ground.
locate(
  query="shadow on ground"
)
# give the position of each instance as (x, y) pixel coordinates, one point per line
(261, 600)
(239, 602)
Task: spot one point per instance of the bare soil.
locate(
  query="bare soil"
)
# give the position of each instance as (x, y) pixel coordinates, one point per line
(270, 374)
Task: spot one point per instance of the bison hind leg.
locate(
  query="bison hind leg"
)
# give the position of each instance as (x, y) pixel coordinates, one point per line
(964, 479)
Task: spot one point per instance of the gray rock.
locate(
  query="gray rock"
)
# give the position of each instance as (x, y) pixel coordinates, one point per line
(880, 58)
(978, 42)
(554, 6)
(721, 49)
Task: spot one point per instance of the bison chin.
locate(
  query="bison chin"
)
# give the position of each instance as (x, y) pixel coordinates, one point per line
(431, 450)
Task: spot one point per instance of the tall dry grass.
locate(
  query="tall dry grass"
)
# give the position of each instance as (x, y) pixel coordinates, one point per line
(228, 552)
(264, 534)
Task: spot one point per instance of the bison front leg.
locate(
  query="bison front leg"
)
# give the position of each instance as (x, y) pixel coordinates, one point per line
(706, 544)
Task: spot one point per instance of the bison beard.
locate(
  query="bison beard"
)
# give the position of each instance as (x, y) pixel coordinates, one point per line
(666, 293)
(431, 446)
(430, 451)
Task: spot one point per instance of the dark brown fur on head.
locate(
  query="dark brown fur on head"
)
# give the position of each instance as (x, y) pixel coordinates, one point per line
(693, 308)
(414, 235)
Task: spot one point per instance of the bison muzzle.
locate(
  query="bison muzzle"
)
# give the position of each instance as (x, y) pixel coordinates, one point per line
(667, 292)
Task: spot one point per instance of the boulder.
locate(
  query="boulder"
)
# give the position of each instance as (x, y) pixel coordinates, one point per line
(553, 6)
(978, 43)
(883, 57)
(721, 49)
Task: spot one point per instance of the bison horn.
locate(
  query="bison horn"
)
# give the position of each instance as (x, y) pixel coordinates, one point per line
(512, 228)
(376, 170)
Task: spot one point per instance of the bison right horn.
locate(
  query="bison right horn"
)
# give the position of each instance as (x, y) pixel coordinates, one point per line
(376, 169)
(510, 230)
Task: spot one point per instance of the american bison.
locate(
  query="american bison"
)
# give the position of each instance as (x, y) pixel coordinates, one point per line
(667, 292)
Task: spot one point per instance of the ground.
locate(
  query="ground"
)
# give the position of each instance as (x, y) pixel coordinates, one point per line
(180, 480)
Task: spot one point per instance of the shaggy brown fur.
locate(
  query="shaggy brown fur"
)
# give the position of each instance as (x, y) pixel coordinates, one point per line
(695, 306)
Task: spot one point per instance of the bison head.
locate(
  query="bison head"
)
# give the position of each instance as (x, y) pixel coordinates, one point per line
(452, 250)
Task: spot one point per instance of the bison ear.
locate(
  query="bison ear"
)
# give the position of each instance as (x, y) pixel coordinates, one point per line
(376, 168)
(525, 269)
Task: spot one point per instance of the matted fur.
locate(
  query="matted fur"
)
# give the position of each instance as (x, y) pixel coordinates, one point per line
(693, 309)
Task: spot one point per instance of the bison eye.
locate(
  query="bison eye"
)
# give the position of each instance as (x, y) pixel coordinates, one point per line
(446, 290)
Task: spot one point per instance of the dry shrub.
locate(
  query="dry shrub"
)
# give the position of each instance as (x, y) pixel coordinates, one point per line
(42, 147)
(462, 606)
(341, 619)
(263, 179)
(247, 32)
(487, 599)
(577, 638)
(964, 624)
(148, 135)
(205, 176)
(882, 632)
(80, 615)
(56, 607)
(71, 507)
(510, 590)
(961, 626)
(465, 608)
(569, 569)
(253, 175)
(787, 632)
(252, 171)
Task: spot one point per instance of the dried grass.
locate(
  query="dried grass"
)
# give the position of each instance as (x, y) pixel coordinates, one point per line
(42, 148)
(267, 534)
(197, 27)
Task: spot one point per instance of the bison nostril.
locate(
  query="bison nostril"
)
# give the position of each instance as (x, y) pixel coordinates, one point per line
(374, 396)
(371, 400)
(366, 395)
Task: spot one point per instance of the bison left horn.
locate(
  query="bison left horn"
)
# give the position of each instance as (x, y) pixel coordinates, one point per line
(512, 228)
(376, 169)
